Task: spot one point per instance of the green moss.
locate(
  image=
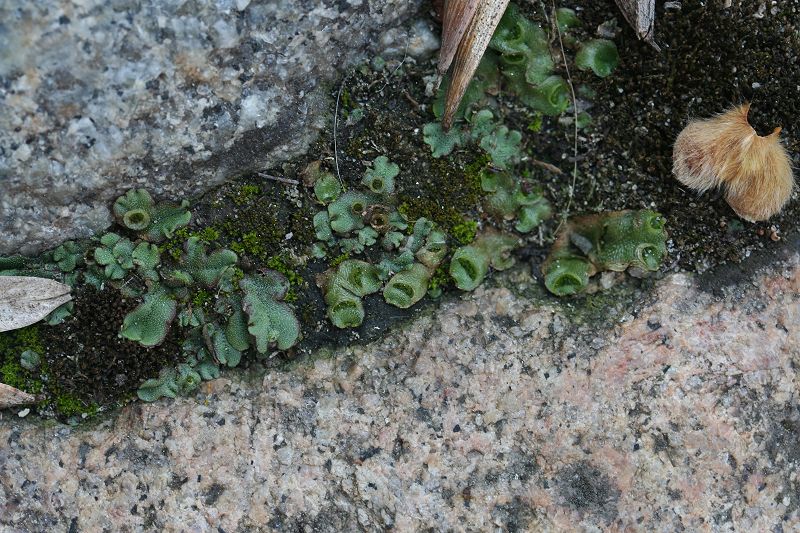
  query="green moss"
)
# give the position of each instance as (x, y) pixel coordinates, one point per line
(535, 125)
(336, 261)
(357, 145)
(174, 246)
(207, 234)
(302, 227)
(280, 264)
(12, 345)
(238, 275)
(12, 373)
(473, 173)
(21, 340)
(445, 198)
(69, 405)
(433, 209)
(251, 244)
(346, 99)
(200, 298)
(440, 279)
(248, 243)
(465, 232)
(245, 194)
(256, 230)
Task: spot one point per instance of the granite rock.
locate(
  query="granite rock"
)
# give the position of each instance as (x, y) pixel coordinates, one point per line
(98, 96)
(499, 411)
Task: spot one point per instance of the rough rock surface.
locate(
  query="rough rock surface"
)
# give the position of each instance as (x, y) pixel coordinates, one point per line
(494, 412)
(98, 96)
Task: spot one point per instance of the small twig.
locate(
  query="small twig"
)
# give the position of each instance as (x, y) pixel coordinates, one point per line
(335, 127)
(544, 12)
(278, 178)
(575, 120)
(547, 166)
(411, 99)
(405, 56)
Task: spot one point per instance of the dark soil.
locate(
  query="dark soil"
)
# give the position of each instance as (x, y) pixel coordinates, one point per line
(712, 58)
(88, 357)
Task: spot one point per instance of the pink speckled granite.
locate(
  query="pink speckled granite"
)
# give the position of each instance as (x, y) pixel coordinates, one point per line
(496, 412)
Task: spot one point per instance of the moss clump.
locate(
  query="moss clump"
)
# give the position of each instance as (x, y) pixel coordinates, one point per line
(265, 228)
(473, 172)
(245, 194)
(12, 345)
(68, 405)
(338, 260)
(279, 263)
(257, 230)
(249, 243)
(301, 227)
(446, 197)
(440, 280)
(174, 246)
(208, 234)
(201, 297)
(21, 339)
(12, 373)
(535, 125)
(465, 232)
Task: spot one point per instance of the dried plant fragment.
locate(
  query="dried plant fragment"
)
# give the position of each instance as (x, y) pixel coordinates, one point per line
(725, 151)
(25, 300)
(470, 51)
(641, 15)
(11, 397)
(457, 15)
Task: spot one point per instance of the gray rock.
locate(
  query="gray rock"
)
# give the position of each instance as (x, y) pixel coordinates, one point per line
(683, 417)
(100, 96)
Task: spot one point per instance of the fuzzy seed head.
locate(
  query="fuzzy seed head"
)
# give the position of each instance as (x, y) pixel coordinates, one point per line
(725, 151)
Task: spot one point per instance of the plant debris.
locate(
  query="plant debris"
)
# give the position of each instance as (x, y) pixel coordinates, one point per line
(25, 300)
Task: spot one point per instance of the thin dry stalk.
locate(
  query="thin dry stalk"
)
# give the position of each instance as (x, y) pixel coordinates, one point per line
(574, 120)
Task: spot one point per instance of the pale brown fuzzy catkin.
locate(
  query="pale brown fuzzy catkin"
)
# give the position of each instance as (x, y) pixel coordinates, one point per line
(725, 151)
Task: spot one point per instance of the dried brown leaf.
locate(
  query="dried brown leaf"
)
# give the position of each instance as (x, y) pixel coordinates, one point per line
(641, 15)
(456, 18)
(469, 53)
(26, 300)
